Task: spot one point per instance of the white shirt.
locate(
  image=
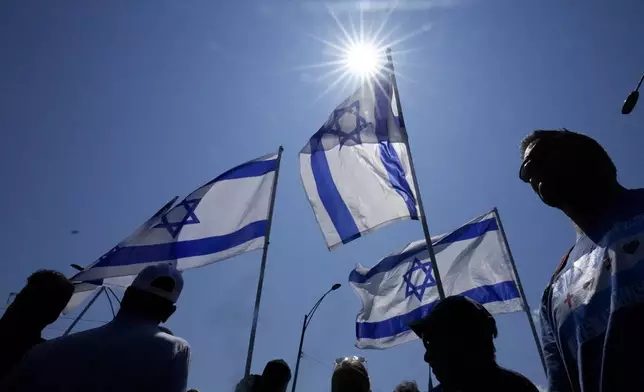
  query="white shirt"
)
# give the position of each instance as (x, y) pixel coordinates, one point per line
(127, 354)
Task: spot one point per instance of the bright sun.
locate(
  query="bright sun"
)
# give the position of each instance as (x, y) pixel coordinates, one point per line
(362, 58)
(358, 53)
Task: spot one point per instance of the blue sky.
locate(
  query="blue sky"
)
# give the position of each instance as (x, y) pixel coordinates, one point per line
(108, 110)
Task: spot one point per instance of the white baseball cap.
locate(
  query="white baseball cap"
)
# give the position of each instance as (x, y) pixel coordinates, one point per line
(145, 281)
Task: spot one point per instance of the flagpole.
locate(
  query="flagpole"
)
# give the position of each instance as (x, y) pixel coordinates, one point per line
(260, 283)
(526, 307)
(421, 209)
(69, 329)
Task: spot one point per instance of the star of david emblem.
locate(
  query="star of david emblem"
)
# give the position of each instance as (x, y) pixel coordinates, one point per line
(343, 127)
(418, 290)
(179, 218)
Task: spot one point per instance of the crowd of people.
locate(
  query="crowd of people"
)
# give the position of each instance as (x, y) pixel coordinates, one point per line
(592, 314)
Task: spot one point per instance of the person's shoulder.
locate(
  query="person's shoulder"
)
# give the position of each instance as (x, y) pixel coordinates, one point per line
(248, 383)
(55, 351)
(56, 343)
(164, 335)
(637, 194)
(514, 381)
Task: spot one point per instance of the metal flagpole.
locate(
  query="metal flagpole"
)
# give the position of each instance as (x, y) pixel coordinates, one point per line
(107, 294)
(423, 219)
(260, 283)
(69, 329)
(114, 294)
(520, 287)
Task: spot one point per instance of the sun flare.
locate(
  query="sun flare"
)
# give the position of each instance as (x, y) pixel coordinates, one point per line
(363, 58)
(358, 52)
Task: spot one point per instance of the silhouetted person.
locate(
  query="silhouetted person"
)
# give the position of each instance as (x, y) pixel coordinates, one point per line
(249, 383)
(36, 306)
(458, 335)
(592, 314)
(407, 386)
(130, 353)
(350, 375)
(275, 377)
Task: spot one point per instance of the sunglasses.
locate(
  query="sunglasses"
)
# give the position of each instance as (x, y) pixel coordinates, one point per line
(353, 358)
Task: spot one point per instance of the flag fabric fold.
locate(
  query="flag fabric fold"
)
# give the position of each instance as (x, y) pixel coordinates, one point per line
(223, 218)
(355, 168)
(401, 288)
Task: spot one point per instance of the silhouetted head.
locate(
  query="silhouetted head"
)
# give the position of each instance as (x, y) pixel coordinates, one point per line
(276, 376)
(153, 293)
(407, 386)
(565, 167)
(350, 375)
(42, 300)
(458, 335)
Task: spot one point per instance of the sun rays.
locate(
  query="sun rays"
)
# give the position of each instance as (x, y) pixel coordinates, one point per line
(358, 52)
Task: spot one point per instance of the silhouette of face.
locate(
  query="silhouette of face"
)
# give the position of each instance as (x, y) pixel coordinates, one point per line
(557, 171)
(456, 355)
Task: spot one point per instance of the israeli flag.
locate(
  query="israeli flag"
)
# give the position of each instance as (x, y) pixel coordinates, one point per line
(355, 169)
(401, 288)
(82, 290)
(225, 217)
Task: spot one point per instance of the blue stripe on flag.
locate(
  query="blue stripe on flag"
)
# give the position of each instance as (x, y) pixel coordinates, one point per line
(466, 232)
(391, 161)
(248, 169)
(176, 250)
(499, 292)
(388, 155)
(330, 196)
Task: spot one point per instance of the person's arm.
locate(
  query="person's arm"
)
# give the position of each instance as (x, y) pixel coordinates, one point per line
(555, 368)
(176, 376)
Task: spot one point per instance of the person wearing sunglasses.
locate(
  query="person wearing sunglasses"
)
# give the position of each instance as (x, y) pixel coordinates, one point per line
(592, 313)
(350, 375)
(458, 335)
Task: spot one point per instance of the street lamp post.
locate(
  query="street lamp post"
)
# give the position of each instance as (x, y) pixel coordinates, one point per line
(632, 98)
(305, 324)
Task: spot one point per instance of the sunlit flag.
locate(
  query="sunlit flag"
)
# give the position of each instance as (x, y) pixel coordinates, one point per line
(355, 168)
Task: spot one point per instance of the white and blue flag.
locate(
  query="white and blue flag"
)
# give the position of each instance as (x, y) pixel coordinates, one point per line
(355, 169)
(82, 290)
(401, 288)
(225, 217)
